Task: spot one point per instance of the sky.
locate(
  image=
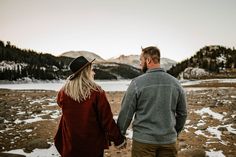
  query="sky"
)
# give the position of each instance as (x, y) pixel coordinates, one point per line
(109, 28)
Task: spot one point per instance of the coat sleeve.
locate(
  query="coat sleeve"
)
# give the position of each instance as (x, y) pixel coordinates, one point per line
(59, 98)
(106, 120)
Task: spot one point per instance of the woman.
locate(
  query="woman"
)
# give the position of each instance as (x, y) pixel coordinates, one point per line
(87, 124)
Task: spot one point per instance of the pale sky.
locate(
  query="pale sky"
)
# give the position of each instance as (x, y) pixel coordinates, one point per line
(110, 28)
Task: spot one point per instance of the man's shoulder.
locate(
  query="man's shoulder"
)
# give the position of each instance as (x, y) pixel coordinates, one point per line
(139, 78)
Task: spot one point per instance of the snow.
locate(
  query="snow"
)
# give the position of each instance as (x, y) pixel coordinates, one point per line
(212, 153)
(51, 152)
(27, 121)
(215, 132)
(210, 112)
(129, 133)
(201, 122)
(195, 82)
(199, 132)
(11, 65)
(221, 59)
(52, 104)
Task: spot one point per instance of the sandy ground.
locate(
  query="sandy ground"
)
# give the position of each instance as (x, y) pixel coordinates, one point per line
(29, 119)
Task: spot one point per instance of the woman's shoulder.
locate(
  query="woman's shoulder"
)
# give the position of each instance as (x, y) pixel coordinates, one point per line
(98, 90)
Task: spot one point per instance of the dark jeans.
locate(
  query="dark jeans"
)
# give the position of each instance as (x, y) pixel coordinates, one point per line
(153, 150)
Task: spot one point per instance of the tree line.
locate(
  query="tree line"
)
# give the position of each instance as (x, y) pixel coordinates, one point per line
(214, 59)
(39, 66)
(31, 64)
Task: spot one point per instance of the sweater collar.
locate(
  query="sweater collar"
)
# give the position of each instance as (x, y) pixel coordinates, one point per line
(155, 70)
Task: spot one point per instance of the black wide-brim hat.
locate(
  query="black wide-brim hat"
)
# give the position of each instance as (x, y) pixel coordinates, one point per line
(77, 65)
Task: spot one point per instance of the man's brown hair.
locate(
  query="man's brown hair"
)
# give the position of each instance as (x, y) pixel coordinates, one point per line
(152, 52)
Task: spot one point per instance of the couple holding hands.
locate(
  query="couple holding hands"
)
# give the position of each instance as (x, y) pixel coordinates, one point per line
(155, 101)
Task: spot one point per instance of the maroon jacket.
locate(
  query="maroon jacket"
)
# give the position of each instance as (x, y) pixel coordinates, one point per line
(86, 127)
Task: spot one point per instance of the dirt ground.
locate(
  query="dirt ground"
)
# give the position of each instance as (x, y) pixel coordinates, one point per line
(203, 131)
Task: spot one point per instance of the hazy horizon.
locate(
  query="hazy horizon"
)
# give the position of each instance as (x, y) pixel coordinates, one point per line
(112, 28)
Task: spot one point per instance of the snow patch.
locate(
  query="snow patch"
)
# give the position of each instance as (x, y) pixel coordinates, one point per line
(213, 153)
(210, 112)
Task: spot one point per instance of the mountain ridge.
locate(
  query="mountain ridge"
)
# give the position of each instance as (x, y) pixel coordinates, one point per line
(133, 60)
(212, 61)
(16, 63)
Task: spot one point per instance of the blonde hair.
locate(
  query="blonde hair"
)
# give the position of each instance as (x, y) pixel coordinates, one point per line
(80, 88)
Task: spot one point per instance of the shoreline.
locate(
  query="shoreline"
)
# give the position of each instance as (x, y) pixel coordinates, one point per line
(30, 118)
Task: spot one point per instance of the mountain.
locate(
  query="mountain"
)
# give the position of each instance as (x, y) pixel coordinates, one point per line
(134, 60)
(167, 63)
(108, 69)
(113, 70)
(21, 64)
(212, 61)
(87, 54)
(131, 60)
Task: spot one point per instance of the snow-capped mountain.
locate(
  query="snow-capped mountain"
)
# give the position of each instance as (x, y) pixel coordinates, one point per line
(167, 63)
(134, 60)
(131, 60)
(87, 54)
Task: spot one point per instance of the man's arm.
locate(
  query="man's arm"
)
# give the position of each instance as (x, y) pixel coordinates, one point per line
(181, 112)
(128, 108)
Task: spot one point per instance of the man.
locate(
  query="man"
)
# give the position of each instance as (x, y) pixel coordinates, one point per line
(158, 102)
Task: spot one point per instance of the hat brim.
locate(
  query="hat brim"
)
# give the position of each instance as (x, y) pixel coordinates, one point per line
(74, 75)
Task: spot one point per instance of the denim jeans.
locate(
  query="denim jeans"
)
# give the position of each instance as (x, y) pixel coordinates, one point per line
(153, 150)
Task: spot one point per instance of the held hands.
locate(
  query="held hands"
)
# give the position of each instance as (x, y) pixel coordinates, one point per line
(122, 145)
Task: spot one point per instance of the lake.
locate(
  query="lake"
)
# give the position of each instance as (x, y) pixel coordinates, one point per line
(120, 85)
(108, 85)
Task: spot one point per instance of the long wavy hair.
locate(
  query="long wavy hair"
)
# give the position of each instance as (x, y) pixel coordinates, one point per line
(80, 88)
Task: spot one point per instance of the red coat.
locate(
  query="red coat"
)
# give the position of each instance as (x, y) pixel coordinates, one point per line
(85, 127)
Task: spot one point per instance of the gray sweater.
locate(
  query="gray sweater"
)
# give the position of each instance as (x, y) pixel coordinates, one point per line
(157, 102)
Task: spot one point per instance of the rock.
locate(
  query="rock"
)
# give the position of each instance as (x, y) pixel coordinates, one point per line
(46, 117)
(37, 111)
(226, 133)
(222, 129)
(2, 126)
(182, 145)
(1, 120)
(229, 121)
(192, 153)
(36, 143)
(213, 140)
(202, 127)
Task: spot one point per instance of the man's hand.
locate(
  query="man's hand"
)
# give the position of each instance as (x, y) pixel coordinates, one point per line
(122, 145)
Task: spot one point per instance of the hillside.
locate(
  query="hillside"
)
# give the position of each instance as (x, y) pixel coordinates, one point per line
(209, 62)
(134, 60)
(18, 64)
(87, 54)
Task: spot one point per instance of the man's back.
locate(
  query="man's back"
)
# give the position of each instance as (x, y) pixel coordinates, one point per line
(158, 94)
(158, 102)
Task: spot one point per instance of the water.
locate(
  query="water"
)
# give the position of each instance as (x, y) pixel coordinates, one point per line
(120, 85)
